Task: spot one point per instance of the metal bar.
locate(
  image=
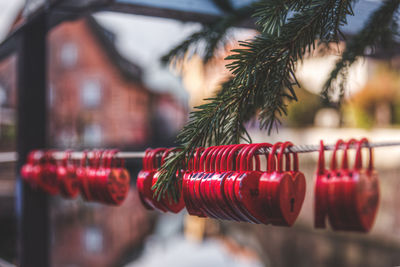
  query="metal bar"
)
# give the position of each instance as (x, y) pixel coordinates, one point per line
(12, 156)
(32, 206)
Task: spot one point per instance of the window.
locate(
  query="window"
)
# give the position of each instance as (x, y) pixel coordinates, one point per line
(92, 135)
(3, 95)
(93, 240)
(69, 55)
(91, 93)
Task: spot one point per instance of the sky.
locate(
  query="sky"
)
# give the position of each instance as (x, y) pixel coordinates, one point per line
(8, 11)
(144, 40)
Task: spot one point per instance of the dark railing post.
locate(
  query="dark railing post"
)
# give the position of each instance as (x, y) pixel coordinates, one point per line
(32, 206)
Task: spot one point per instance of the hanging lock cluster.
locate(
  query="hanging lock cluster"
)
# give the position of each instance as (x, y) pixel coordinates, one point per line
(226, 182)
(100, 178)
(347, 196)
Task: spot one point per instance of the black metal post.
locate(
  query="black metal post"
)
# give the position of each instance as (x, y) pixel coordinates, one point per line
(32, 206)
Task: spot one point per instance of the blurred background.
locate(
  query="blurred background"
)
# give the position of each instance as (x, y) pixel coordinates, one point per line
(107, 88)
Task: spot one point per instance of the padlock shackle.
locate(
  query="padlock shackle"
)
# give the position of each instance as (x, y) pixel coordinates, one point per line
(345, 161)
(280, 156)
(242, 158)
(333, 158)
(145, 160)
(272, 157)
(224, 158)
(248, 162)
(208, 162)
(358, 161)
(204, 157)
(321, 158)
(153, 158)
(219, 156)
(196, 160)
(231, 157)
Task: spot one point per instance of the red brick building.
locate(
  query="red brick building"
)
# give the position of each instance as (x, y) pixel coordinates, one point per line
(96, 96)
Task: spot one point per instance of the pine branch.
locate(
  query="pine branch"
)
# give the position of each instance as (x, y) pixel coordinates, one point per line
(210, 38)
(266, 64)
(263, 78)
(271, 15)
(378, 31)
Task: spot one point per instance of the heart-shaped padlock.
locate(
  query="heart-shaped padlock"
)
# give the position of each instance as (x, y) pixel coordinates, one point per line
(321, 190)
(224, 169)
(143, 173)
(31, 166)
(188, 178)
(169, 202)
(247, 185)
(284, 198)
(362, 191)
(154, 163)
(67, 179)
(334, 188)
(46, 176)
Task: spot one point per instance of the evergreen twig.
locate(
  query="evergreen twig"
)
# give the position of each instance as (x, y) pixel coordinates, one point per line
(378, 31)
(263, 78)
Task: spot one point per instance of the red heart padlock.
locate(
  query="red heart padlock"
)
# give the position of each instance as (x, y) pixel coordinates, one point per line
(154, 163)
(214, 188)
(218, 185)
(285, 199)
(32, 165)
(299, 183)
(67, 179)
(81, 173)
(201, 180)
(191, 191)
(247, 185)
(208, 192)
(321, 190)
(95, 162)
(118, 180)
(187, 182)
(230, 186)
(335, 192)
(166, 201)
(362, 191)
(231, 166)
(143, 173)
(346, 217)
(46, 176)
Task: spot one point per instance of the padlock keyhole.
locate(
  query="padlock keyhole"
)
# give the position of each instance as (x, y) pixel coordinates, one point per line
(292, 204)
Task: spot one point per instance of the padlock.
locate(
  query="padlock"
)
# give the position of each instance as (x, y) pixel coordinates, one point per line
(219, 180)
(45, 174)
(213, 186)
(168, 202)
(198, 185)
(335, 193)
(27, 171)
(143, 173)
(247, 192)
(321, 191)
(116, 184)
(154, 163)
(81, 173)
(186, 183)
(281, 190)
(230, 186)
(362, 191)
(299, 183)
(68, 182)
(96, 162)
(346, 217)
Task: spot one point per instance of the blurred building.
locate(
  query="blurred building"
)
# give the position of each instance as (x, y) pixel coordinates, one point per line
(96, 96)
